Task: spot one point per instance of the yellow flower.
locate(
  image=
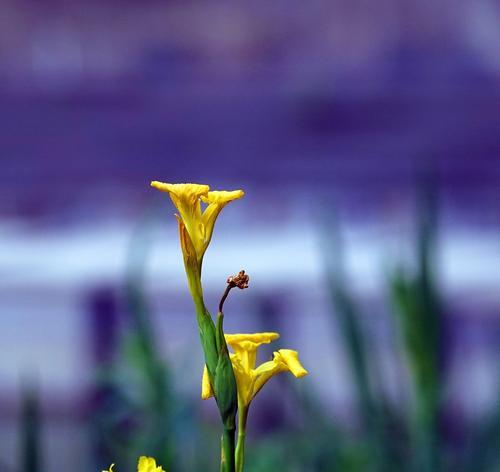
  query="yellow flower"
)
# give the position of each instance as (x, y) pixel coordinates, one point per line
(148, 464)
(198, 224)
(145, 464)
(249, 379)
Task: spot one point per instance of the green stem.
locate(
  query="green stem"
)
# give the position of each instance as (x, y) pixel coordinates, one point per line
(227, 451)
(240, 446)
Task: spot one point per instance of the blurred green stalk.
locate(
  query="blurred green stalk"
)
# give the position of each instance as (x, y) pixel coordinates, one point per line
(348, 321)
(158, 442)
(30, 430)
(417, 307)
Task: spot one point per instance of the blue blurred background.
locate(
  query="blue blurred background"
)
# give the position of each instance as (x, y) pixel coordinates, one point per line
(366, 137)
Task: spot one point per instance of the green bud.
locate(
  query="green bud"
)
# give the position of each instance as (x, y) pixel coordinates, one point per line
(206, 328)
(225, 389)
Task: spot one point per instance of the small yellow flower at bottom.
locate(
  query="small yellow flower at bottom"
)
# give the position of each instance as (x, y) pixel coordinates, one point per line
(148, 464)
(145, 464)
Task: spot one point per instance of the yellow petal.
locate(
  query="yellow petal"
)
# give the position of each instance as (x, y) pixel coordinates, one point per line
(186, 198)
(283, 360)
(148, 464)
(222, 197)
(181, 190)
(244, 380)
(191, 262)
(206, 387)
(188, 249)
(245, 346)
(263, 373)
(290, 359)
(110, 468)
(216, 201)
(187, 246)
(256, 338)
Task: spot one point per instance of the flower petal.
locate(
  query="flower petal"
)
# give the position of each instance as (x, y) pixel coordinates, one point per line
(186, 198)
(148, 464)
(244, 380)
(290, 359)
(222, 197)
(283, 360)
(245, 346)
(216, 201)
(206, 387)
(255, 338)
(182, 190)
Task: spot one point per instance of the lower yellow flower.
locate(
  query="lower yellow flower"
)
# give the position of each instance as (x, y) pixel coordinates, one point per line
(145, 464)
(250, 379)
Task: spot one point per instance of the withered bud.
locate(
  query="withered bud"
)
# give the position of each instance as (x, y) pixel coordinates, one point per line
(241, 280)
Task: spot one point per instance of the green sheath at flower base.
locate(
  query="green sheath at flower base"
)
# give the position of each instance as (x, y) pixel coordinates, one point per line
(225, 381)
(227, 398)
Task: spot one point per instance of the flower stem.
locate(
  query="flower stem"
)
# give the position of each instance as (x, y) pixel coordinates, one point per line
(240, 446)
(227, 450)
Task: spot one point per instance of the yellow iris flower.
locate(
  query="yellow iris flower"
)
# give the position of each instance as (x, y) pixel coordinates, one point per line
(250, 379)
(146, 464)
(198, 225)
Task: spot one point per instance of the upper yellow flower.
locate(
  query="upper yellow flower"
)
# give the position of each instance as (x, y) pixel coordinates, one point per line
(198, 224)
(145, 464)
(249, 379)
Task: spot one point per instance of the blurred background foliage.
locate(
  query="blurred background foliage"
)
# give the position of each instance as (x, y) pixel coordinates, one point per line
(137, 410)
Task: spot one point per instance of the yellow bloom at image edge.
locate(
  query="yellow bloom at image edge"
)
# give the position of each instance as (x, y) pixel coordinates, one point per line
(146, 464)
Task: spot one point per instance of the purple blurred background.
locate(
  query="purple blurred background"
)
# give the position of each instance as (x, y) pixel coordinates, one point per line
(310, 108)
